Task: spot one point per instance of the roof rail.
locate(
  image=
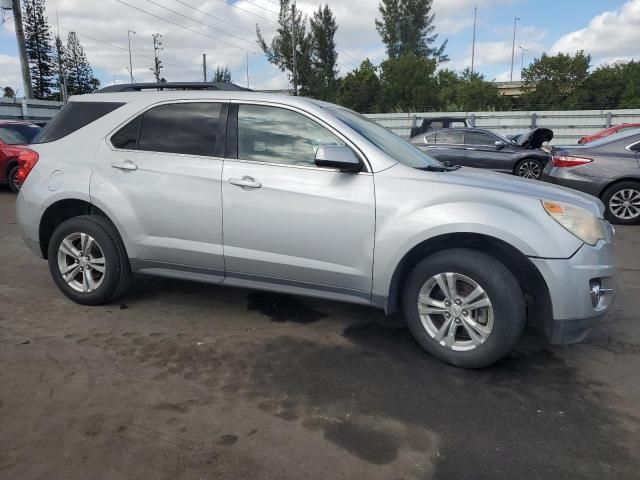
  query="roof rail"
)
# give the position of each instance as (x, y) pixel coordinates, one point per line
(139, 87)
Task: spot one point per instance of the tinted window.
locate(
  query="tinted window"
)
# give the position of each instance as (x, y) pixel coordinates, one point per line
(72, 117)
(18, 133)
(635, 147)
(478, 138)
(277, 135)
(127, 136)
(451, 137)
(11, 137)
(188, 128)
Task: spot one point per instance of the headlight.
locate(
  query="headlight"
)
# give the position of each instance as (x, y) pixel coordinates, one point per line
(579, 221)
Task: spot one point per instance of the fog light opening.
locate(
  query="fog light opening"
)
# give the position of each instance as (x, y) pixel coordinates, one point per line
(597, 292)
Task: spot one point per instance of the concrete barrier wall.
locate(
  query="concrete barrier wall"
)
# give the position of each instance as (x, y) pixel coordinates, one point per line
(568, 126)
(21, 109)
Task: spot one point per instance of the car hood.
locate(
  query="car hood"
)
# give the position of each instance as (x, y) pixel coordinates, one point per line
(535, 138)
(495, 181)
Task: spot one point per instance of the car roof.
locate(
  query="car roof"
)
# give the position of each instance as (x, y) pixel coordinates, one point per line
(168, 95)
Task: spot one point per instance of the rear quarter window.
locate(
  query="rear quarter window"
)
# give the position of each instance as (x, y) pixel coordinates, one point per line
(74, 116)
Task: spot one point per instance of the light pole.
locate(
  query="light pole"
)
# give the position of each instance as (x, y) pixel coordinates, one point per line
(513, 47)
(129, 32)
(522, 50)
(473, 45)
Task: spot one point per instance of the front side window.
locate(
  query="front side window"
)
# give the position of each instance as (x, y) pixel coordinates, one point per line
(196, 128)
(277, 135)
(478, 138)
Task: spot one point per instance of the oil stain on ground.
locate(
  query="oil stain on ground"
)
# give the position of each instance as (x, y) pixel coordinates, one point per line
(283, 308)
(529, 416)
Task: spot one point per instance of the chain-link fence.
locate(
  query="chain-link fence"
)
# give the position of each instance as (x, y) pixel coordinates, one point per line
(568, 126)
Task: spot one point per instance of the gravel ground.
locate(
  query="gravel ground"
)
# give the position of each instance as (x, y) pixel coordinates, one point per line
(187, 381)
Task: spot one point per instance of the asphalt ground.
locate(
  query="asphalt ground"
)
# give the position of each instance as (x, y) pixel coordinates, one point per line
(182, 380)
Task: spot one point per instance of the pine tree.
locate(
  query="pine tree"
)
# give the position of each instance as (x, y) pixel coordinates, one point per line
(324, 57)
(8, 92)
(39, 48)
(80, 77)
(407, 28)
(222, 75)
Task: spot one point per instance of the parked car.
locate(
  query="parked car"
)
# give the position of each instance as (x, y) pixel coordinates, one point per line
(13, 134)
(123, 183)
(479, 148)
(625, 127)
(436, 123)
(608, 168)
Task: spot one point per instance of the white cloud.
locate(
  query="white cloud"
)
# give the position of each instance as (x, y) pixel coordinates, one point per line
(613, 34)
(10, 72)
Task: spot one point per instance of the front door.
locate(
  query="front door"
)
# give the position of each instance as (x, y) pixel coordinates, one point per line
(287, 221)
(160, 176)
(482, 151)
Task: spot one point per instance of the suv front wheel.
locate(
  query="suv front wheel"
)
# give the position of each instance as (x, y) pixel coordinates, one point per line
(464, 307)
(88, 261)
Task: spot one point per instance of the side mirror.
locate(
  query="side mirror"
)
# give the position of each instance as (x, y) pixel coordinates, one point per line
(499, 144)
(339, 157)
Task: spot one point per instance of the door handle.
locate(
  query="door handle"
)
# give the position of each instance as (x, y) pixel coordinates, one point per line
(246, 182)
(124, 165)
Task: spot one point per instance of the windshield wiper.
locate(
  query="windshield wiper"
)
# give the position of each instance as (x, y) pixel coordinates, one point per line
(446, 167)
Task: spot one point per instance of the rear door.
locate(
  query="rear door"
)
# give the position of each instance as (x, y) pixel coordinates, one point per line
(446, 145)
(287, 221)
(160, 176)
(481, 151)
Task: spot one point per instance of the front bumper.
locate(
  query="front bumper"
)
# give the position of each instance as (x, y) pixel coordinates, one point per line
(575, 309)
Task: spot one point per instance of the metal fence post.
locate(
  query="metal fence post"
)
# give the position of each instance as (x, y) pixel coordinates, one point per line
(608, 121)
(25, 111)
(534, 120)
(472, 120)
(414, 121)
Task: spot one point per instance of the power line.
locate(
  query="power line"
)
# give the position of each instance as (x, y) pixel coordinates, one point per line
(216, 18)
(181, 26)
(197, 21)
(249, 12)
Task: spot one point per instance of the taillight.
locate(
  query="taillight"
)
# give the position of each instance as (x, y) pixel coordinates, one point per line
(27, 159)
(569, 161)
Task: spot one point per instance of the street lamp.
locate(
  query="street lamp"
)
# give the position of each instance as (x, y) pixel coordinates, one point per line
(129, 32)
(522, 50)
(513, 47)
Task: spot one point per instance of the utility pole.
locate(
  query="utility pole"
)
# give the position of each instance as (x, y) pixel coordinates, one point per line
(157, 64)
(61, 72)
(247, 69)
(513, 47)
(522, 49)
(129, 32)
(204, 67)
(293, 44)
(22, 49)
(473, 45)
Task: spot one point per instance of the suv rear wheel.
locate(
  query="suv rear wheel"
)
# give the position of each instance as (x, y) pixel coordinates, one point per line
(88, 261)
(464, 307)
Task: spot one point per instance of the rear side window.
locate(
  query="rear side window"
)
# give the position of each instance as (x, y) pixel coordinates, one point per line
(72, 117)
(187, 128)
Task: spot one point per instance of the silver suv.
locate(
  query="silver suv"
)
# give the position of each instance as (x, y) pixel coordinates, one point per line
(304, 197)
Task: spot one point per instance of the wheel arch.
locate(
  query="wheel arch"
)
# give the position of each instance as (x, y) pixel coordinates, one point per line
(516, 165)
(58, 212)
(10, 163)
(616, 182)
(530, 280)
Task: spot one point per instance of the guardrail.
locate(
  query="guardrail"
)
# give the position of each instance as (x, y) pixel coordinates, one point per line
(22, 109)
(568, 126)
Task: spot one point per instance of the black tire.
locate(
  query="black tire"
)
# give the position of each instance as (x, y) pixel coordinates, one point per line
(11, 179)
(117, 270)
(616, 190)
(528, 166)
(500, 286)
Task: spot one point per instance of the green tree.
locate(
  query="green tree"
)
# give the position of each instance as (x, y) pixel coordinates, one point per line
(407, 27)
(324, 57)
(80, 77)
(409, 84)
(8, 92)
(280, 51)
(556, 81)
(222, 75)
(38, 42)
(360, 89)
(467, 91)
(614, 86)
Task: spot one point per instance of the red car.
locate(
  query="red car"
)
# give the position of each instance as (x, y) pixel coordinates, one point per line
(13, 134)
(609, 131)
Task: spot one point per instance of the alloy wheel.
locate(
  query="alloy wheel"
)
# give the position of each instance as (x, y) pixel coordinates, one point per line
(625, 204)
(81, 262)
(455, 311)
(529, 169)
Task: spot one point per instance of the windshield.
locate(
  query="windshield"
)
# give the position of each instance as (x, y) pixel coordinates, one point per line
(18, 134)
(390, 143)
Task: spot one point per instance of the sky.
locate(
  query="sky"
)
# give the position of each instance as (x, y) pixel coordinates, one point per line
(225, 31)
